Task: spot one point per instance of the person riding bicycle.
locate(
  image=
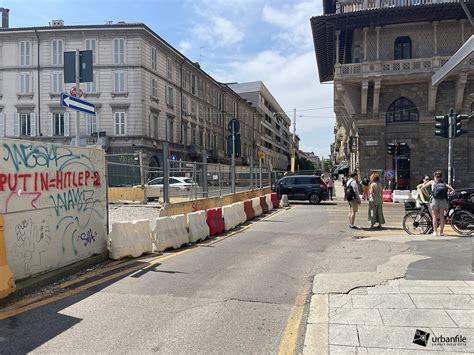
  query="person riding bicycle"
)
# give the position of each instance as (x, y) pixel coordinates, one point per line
(438, 201)
(423, 196)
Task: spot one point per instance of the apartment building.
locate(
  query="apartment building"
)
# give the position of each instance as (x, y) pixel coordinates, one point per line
(145, 91)
(274, 122)
(381, 55)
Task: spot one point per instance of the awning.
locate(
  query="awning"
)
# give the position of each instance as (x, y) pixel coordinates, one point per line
(344, 165)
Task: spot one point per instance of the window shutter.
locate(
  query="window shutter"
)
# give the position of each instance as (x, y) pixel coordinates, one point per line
(66, 124)
(33, 124)
(2, 124)
(50, 125)
(166, 94)
(16, 125)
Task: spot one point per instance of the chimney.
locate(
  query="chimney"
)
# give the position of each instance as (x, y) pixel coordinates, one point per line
(4, 13)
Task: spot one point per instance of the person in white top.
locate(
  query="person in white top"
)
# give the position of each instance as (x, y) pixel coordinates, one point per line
(353, 198)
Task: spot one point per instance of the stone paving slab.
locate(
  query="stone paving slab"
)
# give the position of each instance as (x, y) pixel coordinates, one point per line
(462, 290)
(450, 332)
(343, 334)
(430, 283)
(416, 318)
(423, 289)
(388, 337)
(383, 290)
(382, 301)
(340, 301)
(354, 316)
(442, 301)
(463, 318)
(381, 351)
(318, 312)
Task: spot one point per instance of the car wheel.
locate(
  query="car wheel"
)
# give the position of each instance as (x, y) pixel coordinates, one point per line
(314, 199)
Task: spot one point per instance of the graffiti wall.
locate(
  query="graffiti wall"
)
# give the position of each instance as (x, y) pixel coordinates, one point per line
(53, 198)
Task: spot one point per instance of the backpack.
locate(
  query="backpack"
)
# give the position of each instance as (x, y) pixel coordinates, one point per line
(440, 191)
(349, 192)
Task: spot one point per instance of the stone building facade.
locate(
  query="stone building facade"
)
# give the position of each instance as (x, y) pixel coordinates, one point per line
(274, 123)
(381, 56)
(145, 91)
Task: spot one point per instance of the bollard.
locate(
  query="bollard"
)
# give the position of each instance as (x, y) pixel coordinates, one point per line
(7, 281)
(284, 201)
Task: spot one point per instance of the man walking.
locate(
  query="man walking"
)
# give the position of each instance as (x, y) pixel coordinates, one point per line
(353, 198)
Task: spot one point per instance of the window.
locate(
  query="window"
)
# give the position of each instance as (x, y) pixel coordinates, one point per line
(201, 111)
(402, 48)
(58, 124)
(208, 114)
(402, 110)
(169, 96)
(169, 67)
(57, 51)
(119, 51)
(193, 135)
(234, 109)
(169, 129)
(91, 124)
(154, 56)
(193, 108)
(214, 143)
(119, 118)
(208, 140)
(25, 83)
(185, 104)
(91, 87)
(193, 84)
(91, 44)
(25, 124)
(184, 134)
(25, 53)
(154, 88)
(57, 83)
(154, 125)
(119, 81)
(201, 140)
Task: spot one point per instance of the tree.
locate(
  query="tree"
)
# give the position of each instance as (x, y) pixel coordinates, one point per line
(304, 164)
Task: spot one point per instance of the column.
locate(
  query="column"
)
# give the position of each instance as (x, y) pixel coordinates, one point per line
(432, 92)
(337, 46)
(377, 84)
(366, 29)
(363, 104)
(463, 21)
(435, 37)
(378, 41)
(459, 91)
(189, 137)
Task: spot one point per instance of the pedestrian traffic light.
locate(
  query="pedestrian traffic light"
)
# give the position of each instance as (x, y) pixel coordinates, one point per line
(401, 148)
(442, 126)
(458, 130)
(390, 148)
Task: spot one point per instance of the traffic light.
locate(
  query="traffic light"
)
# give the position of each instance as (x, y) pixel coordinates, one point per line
(401, 148)
(390, 148)
(458, 130)
(442, 126)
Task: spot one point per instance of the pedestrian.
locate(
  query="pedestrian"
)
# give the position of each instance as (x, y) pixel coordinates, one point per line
(423, 196)
(353, 198)
(375, 202)
(330, 185)
(365, 188)
(438, 201)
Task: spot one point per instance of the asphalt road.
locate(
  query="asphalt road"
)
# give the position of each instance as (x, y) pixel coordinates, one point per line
(232, 295)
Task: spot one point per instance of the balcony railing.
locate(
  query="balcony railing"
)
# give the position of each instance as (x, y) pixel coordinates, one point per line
(393, 67)
(361, 5)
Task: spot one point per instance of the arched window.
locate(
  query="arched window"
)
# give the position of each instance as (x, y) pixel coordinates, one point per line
(402, 110)
(402, 48)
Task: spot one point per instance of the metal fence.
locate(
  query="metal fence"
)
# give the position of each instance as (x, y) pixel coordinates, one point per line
(187, 180)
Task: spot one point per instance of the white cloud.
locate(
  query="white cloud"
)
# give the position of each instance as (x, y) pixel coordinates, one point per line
(219, 32)
(184, 46)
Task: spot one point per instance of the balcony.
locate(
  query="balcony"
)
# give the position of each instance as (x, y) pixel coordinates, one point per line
(346, 6)
(393, 67)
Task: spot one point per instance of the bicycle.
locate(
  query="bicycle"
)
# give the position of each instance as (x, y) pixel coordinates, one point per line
(418, 220)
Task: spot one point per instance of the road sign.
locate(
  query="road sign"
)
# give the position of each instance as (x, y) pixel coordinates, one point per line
(261, 154)
(77, 104)
(390, 174)
(173, 157)
(85, 69)
(234, 126)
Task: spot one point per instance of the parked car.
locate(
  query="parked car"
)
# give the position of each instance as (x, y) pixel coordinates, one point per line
(178, 186)
(302, 187)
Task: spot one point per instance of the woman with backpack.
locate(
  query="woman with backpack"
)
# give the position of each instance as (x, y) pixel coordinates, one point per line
(438, 201)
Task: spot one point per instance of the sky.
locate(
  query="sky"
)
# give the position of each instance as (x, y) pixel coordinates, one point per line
(234, 40)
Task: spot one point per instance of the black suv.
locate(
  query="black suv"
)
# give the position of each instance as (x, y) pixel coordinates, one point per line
(302, 187)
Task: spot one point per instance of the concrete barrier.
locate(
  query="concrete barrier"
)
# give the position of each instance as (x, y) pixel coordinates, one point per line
(284, 201)
(414, 194)
(240, 210)
(263, 204)
(256, 206)
(170, 232)
(275, 202)
(197, 226)
(249, 212)
(231, 217)
(130, 238)
(215, 221)
(401, 195)
(268, 199)
(126, 195)
(387, 196)
(7, 281)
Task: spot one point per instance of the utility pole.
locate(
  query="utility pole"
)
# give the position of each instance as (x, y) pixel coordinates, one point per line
(78, 94)
(293, 153)
(233, 159)
(452, 121)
